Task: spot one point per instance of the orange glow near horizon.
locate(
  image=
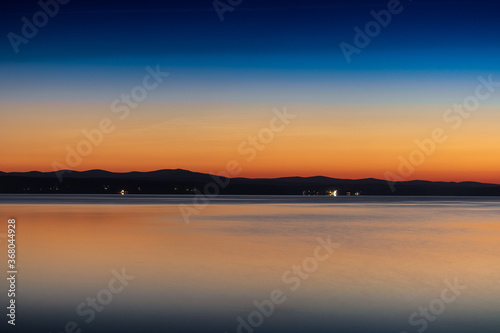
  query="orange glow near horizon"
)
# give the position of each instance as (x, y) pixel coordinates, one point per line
(336, 140)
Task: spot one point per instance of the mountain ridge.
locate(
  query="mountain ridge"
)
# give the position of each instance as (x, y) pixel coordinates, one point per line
(180, 181)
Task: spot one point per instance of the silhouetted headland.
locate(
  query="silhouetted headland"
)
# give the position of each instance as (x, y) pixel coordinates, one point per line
(186, 182)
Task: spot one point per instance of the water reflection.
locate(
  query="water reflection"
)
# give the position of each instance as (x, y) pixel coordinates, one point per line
(393, 258)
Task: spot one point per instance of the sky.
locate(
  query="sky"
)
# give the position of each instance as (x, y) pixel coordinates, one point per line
(355, 116)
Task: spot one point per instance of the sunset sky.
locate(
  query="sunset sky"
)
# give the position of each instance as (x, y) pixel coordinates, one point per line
(353, 120)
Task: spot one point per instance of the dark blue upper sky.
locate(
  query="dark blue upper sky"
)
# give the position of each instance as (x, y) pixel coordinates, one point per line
(260, 41)
(87, 30)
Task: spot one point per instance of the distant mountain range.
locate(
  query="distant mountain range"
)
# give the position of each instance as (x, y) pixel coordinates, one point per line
(186, 182)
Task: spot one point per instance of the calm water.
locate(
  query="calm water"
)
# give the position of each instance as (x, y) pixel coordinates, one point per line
(392, 259)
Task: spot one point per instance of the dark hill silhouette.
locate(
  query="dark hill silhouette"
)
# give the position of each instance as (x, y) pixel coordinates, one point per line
(178, 181)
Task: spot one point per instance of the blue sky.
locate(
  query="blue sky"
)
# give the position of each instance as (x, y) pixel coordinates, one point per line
(92, 49)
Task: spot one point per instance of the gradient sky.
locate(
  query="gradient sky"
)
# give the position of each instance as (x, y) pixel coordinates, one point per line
(354, 120)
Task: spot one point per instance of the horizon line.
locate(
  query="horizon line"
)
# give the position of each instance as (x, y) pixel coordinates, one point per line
(280, 177)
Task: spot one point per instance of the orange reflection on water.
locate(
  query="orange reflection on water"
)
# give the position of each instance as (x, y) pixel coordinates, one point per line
(389, 258)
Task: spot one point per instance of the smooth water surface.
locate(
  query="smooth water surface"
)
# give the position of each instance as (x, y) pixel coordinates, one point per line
(393, 256)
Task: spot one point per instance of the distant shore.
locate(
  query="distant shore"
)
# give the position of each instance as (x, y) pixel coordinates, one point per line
(191, 183)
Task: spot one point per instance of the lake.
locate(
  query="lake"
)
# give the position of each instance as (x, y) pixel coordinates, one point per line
(254, 263)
